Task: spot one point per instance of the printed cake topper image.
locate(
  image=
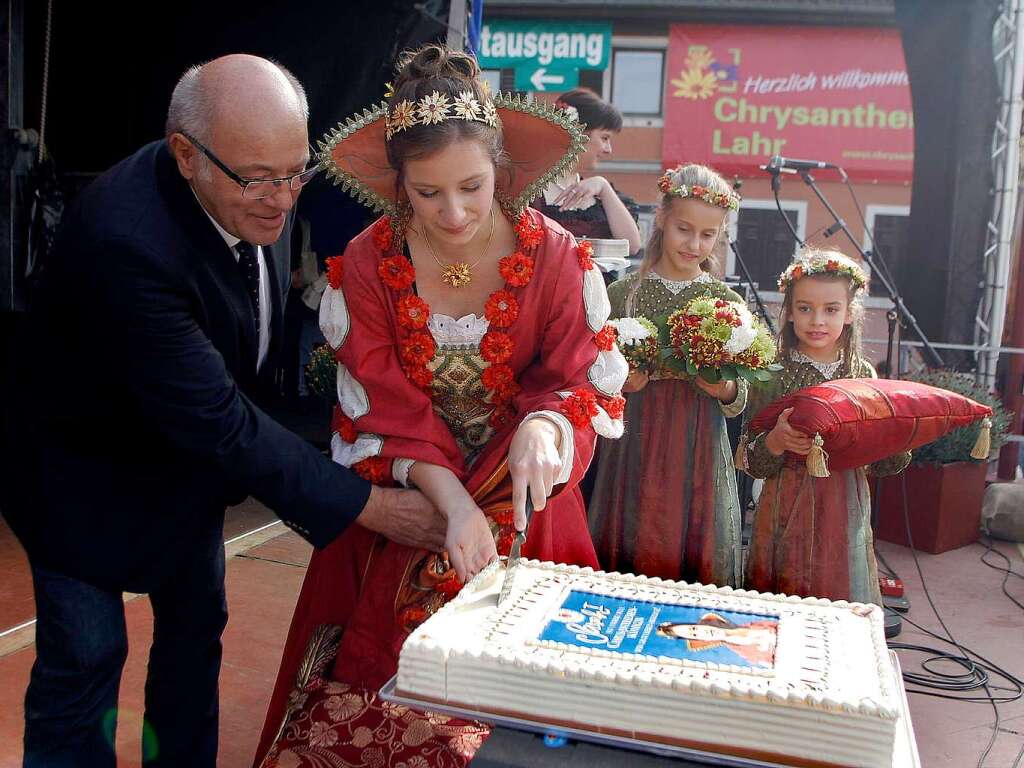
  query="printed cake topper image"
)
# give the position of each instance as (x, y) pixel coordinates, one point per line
(685, 632)
(755, 641)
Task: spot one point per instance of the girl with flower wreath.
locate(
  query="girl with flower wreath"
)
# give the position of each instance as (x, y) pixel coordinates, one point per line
(811, 536)
(474, 363)
(665, 502)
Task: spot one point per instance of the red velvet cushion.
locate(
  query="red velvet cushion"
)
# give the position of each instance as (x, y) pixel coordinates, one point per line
(864, 420)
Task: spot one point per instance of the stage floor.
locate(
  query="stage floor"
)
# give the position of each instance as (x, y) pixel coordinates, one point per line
(265, 571)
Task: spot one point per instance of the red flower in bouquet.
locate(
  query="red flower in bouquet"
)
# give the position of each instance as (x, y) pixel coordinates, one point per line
(528, 233)
(343, 425)
(585, 254)
(376, 469)
(418, 349)
(496, 347)
(413, 312)
(334, 272)
(396, 272)
(382, 234)
(516, 269)
(605, 338)
(504, 517)
(501, 309)
(497, 376)
(580, 407)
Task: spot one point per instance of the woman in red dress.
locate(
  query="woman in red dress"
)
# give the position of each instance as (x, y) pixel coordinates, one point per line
(474, 363)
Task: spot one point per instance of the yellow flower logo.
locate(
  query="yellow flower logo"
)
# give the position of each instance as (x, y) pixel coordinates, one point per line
(695, 84)
(699, 57)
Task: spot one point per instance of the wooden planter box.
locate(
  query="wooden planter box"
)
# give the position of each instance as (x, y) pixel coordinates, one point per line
(943, 502)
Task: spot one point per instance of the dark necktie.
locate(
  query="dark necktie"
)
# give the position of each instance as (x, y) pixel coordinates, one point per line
(250, 268)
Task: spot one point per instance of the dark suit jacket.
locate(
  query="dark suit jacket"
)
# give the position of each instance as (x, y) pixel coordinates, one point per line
(133, 423)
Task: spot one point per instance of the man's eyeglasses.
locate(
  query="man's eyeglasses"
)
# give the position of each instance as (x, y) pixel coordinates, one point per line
(257, 189)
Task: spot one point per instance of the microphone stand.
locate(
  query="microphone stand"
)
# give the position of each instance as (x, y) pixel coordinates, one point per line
(909, 320)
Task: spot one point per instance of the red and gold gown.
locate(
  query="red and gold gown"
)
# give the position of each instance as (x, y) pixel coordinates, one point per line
(811, 536)
(363, 594)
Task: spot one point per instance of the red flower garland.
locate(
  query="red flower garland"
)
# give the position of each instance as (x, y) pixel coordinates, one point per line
(419, 375)
(382, 234)
(614, 406)
(585, 254)
(501, 309)
(397, 273)
(449, 587)
(516, 268)
(413, 312)
(376, 469)
(605, 338)
(496, 347)
(529, 234)
(344, 426)
(334, 271)
(417, 349)
(498, 376)
(580, 407)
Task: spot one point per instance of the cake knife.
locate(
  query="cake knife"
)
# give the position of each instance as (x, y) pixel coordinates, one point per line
(513, 553)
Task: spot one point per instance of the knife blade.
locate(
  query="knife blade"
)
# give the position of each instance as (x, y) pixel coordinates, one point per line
(513, 553)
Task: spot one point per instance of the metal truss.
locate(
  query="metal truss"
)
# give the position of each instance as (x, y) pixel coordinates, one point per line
(990, 320)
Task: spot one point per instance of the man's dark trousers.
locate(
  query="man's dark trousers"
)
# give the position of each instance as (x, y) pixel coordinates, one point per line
(81, 646)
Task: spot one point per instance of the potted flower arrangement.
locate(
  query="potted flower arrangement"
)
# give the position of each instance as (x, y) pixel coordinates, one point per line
(944, 484)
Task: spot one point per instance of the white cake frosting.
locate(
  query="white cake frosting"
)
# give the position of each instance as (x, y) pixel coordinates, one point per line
(812, 680)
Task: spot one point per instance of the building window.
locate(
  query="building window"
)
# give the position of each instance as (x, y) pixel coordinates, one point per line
(891, 226)
(764, 241)
(637, 81)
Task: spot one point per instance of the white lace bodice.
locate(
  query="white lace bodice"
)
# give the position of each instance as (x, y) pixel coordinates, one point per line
(468, 330)
(828, 370)
(678, 286)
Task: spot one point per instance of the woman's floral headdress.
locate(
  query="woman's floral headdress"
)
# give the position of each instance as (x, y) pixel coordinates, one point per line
(436, 108)
(824, 263)
(671, 183)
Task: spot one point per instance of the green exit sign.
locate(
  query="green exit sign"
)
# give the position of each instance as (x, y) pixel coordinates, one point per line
(546, 55)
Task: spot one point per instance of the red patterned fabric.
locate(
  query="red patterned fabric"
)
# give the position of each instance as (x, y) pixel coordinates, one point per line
(372, 587)
(865, 420)
(338, 726)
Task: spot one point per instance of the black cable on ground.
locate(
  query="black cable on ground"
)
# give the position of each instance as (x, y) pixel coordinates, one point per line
(986, 542)
(976, 675)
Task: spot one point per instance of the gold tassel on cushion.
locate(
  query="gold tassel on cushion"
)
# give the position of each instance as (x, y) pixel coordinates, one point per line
(817, 459)
(983, 445)
(740, 460)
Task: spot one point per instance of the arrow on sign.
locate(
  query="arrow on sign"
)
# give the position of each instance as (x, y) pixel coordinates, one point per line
(540, 78)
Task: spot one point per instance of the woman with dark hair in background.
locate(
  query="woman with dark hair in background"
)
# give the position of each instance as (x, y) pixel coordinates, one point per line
(590, 207)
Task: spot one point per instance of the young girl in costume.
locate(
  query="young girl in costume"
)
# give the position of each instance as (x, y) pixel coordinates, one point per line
(812, 536)
(473, 364)
(665, 502)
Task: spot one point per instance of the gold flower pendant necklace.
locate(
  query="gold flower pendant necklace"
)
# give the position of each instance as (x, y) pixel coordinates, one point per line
(459, 273)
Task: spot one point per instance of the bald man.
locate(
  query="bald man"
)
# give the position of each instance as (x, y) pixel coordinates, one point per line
(134, 423)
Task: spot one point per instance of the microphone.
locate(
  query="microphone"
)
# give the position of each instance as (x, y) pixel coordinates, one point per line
(778, 163)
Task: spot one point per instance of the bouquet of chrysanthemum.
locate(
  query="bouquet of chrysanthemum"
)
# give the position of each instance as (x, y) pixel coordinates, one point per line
(637, 338)
(717, 339)
(322, 373)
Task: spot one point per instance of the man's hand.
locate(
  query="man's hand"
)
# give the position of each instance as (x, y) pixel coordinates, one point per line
(404, 516)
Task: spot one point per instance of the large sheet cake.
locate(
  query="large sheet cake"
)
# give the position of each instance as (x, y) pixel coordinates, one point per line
(776, 678)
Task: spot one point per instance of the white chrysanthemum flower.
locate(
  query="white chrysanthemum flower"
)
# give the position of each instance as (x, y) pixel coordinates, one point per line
(743, 335)
(466, 106)
(630, 330)
(571, 112)
(433, 108)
